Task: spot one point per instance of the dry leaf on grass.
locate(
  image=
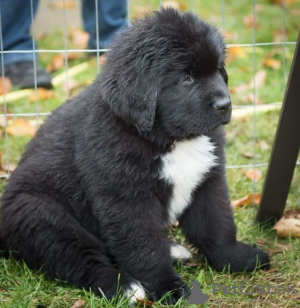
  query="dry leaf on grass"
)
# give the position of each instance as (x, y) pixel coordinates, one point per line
(254, 174)
(235, 52)
(247, 200)
(21, 127)
(58, 61)
(288, 227)
(292, 214)
(41, 95)
(248, 155)
(2, 121)
(61, 4)
(259, 79)
(249, 22)
(141, 10)
(285, 2)
(78, 304)
(271, 63)
(144, 303)
(173, 4)
(5, 85)
(254, 99)
(102, 60)
(239, 89)
(79, 38)
(263, 145)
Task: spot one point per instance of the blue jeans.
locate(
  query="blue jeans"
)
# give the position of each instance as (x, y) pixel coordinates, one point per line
(16, 21)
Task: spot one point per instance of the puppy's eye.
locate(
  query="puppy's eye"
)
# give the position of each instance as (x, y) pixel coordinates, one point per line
(188, 78)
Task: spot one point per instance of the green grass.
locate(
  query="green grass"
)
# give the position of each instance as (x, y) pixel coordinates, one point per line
(20, 287)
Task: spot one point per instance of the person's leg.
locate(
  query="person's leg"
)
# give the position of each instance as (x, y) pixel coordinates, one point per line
(15, 24)
(111, 19)
(16, 17)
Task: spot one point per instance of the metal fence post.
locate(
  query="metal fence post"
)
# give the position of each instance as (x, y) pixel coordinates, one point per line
(285, 150)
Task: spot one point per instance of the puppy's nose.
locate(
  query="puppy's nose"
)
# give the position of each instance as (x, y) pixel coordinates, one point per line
(222, 105)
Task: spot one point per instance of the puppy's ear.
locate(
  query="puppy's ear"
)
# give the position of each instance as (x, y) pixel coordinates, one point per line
(131, 90)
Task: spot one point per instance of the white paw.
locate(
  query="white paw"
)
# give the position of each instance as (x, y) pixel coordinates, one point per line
(135, 292)
(179, 252)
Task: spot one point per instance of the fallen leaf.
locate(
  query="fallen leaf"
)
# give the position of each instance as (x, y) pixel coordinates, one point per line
(292, 214)
(61, 4)
(235, 52)
(263, 145)
(79, 38)
(144, 303)
(5, 85)
(21, 127)
(271, 63)
(141, 11)
(8, 168)
(239, 89)
(41, 94)
(175, 224)
(228, 35)
(283, 247)
(102, 60)
(271, 270)
(248, 155)
(280, 34)
(40, 36)
(58, 61)
(70, 84)
(173, 4)
(254, 99)
(247, 200)
(284, 2)
(78, 304)
(254, 174)
(249, 22)
(2, 121)
(288, 227)
(259, 78)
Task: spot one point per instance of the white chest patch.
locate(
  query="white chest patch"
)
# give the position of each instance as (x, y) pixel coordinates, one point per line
(185, 167)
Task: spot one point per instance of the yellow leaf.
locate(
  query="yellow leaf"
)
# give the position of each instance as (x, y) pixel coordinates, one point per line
(272, 63)
(78, 304)
(5, 85)
(260, 79)
(253, 174)
(247, 200)
(21, 127)
(288, 227)
(144, 303)
(173, 4)
(236, 52)
(41, 95)
(60, 5)
(79, 37)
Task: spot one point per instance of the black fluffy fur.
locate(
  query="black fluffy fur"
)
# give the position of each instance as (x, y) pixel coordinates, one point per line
(87, 194)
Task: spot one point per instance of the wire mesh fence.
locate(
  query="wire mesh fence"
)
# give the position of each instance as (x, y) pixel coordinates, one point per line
(252, 41)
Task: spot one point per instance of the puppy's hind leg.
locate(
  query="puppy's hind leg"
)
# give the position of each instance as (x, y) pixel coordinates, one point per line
(47, 236)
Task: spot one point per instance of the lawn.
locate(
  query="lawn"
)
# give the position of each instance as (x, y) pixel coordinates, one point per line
(249, 141)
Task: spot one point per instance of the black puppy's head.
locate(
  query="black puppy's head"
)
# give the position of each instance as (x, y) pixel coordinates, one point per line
(166, 73)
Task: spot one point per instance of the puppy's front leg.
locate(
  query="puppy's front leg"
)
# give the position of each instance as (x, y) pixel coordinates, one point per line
(138, 242)
(208, 224)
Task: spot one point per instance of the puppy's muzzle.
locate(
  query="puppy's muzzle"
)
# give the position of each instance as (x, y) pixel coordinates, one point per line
(222, 106)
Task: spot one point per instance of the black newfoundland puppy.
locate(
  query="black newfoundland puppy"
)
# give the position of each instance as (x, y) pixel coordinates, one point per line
(99, 185)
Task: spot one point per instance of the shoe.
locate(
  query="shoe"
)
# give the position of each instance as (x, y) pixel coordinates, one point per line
(21, 74)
